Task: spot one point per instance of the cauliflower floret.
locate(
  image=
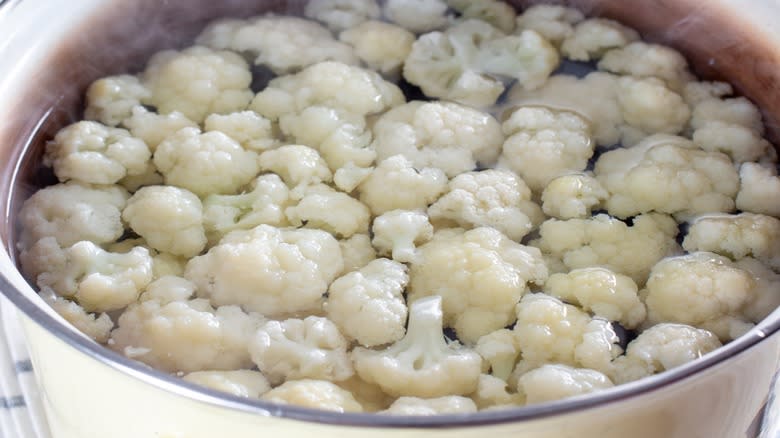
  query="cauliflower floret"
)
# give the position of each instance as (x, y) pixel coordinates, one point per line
(111, 100)
(327, 209)
(349, 177)
(197, 82)
(381, 46)
(735, 111)
(553, 22)
(466, 62)
(500, 350)
(573, 196)
(423, 363)
(649, 106)
(555, 382)
(493, 393)
(759, 190)
(162, 263)
(299, 166)
(767, 289)
(419, 16)
(593, 37)
(97, 328)
(149, 177)
(252, 130)
(413, 187)
(697, 92)
(449, 136)
(241, 383)
(153, 128)
(480, 275)
(301, 348)
(542, 145)
(737, 236)
(268, 270)
(398, 232)
(501, 15)
(369, 395)
(602, 292)
(357, 252)
(368, 305)
(451, 404)
(610, 243)
(170, 219)
(91, 152)
(642, 60)
(493, 198)
(742, 144)
(73, 212)
(205, 163)
(342, 14)
(316, 394)
(662, 347)
(667, 174)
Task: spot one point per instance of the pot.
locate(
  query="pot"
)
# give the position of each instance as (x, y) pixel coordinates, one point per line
(50, 54)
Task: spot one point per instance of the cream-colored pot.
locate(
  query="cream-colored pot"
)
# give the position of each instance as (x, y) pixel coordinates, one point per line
(50, 50)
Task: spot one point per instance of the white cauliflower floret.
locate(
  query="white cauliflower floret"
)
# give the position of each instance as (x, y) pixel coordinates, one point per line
(299, 166)
(149, 177)
(449, 136)
(268, 270)
(97, 328)
(423, 363)
(667, 174)
(368, 305)
(381, 46)
(480, 275)
(737, 236)
(241, 383)
(735, 111)
(610, 243)
(542, 145)
(162, 263)
(73, 212)
(593, 37)
(660, 348)
(316, 394)
(283, 44)
(339, 15)
(642, 60)
(553, 22)
(649, 106)
(697, 92)
(111, 100)
(153, 128)
(91, 152)
(357, 252)
(573, 196)
(492, 198)
(205, 163)
(413, 187)
(349, 177)
(252, 130)
(767, 289)
(197, 82)
(466, 62)
(369, 395)
(493, 393)
(419, 16)
(600, 291)
(555, 382)
(301, 348)
(498, 13)
(759, 189)
(451, 404)
(398, 232)
(741, 143)
(500, 350)
(327, 209)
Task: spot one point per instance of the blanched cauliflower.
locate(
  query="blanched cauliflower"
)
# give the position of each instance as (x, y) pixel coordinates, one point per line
(493, 393)
(419, 16)
(643, 60)
(268, 270)
(500, 350)
(381, 46)
(398, 232)
(413, 187)
(241, 383)
(149, 177)
(467, 62)
(91, 152)
(498, 13)
(696, 92)
(357, 252)
(553, 22)
(111, 100)
(299, 166)
(423, 363)
(163, 264)
(480, 275)
(593, 37)
(252, 130)
(339, 15)
(327, 209)
(449, 136)
(153, 128)
(451, 404)
(573, 196)
(649, 106)
(759, 189)
(542, 145)
(767, 289)
(369, 395)
(316, 394)
(300, 348)
(555, 382)
(349, 177)
(737, 236)
(97, 328)
(205, 163)
(735, 111)
(742, 144)
(368, 305)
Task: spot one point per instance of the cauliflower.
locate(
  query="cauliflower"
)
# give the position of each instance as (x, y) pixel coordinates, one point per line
(73, 212)
(500, 350)
(466, 62)
(240, 383)
(252, 130)
(419, 16)
(607, 242)
(397, 232)
(499, 14)
(480, 275)
(368, 305)
(301, 348)
(492, 393)
(357, 252)
(555, 382)
(595, 36)
(381, 46)
(451, 404)
(413, 187)
(767, 289)
(600, 291)
(737, 236)
(198, 81)
(170, 219)
(91, 152)
(643, 60)
(97, 328)
(423, 363)
(162, 263)
(662, 347)
(268, 270)
(759, 190)
(649, 106)
(283, 44)
(111, 100)
(327, 209)
(205, 163)
(742, 144)
(696, 92)
(449, 136)
(316, 394)
(573, 196)
(149, 177)
(734, 111)
(542, 145)
(553, 22)
(339, 15)
(349, 177)
(153, 128)
(370, 396)
(667, 174)
(299, 166)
